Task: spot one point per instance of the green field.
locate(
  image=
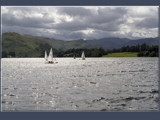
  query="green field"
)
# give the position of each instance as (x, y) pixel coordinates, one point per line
(121, 54)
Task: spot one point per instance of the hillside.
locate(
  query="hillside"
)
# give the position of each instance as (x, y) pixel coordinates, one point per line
(109, 43)
(22, 46)
(147, 41)
(113, 43)
(14, 44)
(65, 45)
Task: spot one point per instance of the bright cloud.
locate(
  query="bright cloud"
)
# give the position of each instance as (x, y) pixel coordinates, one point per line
(88, 22)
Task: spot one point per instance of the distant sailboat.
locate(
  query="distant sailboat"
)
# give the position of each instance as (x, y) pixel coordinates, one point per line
(83, 56)
(55, 61)
(45, 56)
(50, 57)
(74, 56)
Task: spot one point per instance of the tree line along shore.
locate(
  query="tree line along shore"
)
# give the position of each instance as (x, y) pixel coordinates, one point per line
(126, 51)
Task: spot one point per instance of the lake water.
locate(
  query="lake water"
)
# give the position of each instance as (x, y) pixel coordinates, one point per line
(94, 84)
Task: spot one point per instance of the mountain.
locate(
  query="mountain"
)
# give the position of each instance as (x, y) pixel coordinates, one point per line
(14, 44)
(18, 45)
(111, 43)
(65, 45)
(147, 41)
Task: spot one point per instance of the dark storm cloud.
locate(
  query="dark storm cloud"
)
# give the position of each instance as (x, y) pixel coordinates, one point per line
(71, 26)
(148, 23)
(25, 22)
(23, 17)
(81, 22)
(104, 19)
(108, 14)
(74, 11)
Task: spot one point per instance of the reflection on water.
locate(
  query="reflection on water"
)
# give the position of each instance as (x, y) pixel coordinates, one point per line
(95, 84)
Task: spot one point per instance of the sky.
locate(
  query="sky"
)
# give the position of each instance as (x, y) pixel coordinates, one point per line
(81, 22)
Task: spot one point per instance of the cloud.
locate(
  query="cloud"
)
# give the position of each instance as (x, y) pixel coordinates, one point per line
(147, 23)
(88, 22)
(74, 11)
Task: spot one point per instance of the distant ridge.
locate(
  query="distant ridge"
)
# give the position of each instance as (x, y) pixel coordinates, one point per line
(34, 46)
(111, 43)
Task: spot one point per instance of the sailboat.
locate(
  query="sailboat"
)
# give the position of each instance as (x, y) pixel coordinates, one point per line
(74, 56)
(45, 56)
(55, 61)
(50, 57)
(83, 56)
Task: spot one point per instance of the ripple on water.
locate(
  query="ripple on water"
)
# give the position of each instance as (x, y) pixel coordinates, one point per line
(96, 84)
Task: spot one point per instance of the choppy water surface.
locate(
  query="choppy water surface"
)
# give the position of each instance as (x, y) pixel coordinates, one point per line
(95, 84)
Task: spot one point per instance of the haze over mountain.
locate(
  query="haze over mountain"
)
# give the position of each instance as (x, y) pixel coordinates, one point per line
(111, 43)
(27, 45)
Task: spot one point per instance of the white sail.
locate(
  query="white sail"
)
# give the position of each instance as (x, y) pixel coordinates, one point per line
(50, 57)
(83, 56)
(45, 57)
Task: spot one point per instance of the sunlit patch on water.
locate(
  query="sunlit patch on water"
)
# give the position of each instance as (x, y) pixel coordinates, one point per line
(95, 84)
